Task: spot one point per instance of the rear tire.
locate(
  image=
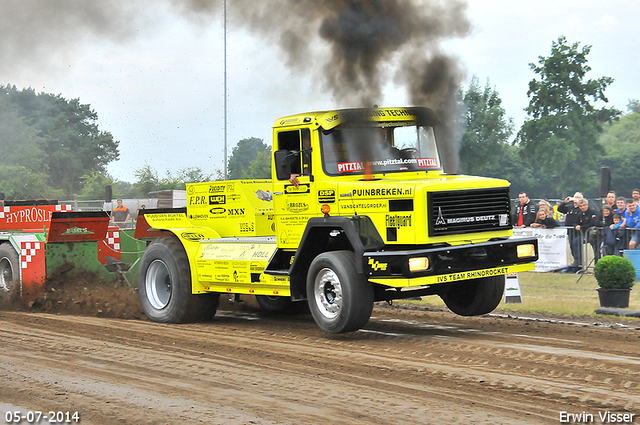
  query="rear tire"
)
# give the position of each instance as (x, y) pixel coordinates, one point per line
(9, 274)
(339, 298)
(474, 297)
(164, 285)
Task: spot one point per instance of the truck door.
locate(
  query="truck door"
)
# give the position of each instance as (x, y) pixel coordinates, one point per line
(293, 185)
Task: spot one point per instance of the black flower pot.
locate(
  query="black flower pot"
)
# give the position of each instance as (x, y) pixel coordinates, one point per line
(616, 298)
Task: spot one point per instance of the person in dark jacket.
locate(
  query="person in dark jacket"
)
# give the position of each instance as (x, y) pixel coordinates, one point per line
(545, 221)
(570, 209)
(586, 218)
(525, 212)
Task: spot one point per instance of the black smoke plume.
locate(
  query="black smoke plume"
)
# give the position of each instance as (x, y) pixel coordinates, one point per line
(353, 48)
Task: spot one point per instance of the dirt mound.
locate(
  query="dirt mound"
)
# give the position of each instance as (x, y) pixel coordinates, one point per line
(85, 294)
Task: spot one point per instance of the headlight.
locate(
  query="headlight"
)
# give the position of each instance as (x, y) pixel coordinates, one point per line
(418, 264)
(526, 250)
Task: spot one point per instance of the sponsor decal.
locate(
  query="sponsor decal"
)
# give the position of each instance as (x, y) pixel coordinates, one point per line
(387, 191)
(289, 121)
(235, 211)
(427, 162)
(198, 217)
(440, 221)
(502, 219)
(166, 217)
(217, 210)
(474, 274)
(347, 167)
(296, 207)
(198, 200)
(246, 227)
(303, 188)
(398, 220)
(217, 199)
(77, 231)
(327, 196)
(376, 265)
(369, 205)
(192, 236)
(261, 255)
(219, 188)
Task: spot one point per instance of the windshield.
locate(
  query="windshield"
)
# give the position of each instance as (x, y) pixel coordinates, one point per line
(369, 150)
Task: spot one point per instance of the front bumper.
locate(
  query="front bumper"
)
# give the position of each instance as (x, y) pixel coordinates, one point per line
(450, 263)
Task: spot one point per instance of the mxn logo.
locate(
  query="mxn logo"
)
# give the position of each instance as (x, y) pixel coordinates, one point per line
(376, 265)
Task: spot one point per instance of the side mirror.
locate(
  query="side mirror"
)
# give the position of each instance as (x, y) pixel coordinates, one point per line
(286, 162)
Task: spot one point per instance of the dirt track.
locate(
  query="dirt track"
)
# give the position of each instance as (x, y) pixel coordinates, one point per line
(408, 366)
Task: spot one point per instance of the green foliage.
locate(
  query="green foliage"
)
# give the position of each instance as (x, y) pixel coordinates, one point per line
(19, 182)
(613, 272)
(634, 106)
(54, 137)
(260, 168)
(621, 142)
(148, 180)
(561, 135)
(485, 149)
(94, 185)
(487, 130)
(243, 156)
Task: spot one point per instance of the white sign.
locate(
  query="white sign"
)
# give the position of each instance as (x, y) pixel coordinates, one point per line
(552, 246)
(512, 292)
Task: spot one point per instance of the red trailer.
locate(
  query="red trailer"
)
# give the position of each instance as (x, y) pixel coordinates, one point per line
(38, 241)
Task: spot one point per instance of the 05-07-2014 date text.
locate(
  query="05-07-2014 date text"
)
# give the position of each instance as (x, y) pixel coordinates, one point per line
(37, 417)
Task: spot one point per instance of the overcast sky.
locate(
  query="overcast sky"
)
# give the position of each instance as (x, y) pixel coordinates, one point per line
(158, 85)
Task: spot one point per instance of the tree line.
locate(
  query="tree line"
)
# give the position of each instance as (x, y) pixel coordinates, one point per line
(52, 147)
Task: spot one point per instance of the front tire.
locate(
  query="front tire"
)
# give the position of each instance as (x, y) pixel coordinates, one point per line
(164, 285)
(474, 297)
(339, 298)
(9, 274)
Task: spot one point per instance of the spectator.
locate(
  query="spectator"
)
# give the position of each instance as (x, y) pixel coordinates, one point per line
(605, 219)
(557, 215)
(613, 243)
(570, 209)
(621, 204)
(611, 199)
(142, 207)
(635, 195)
(632, 221)
(120, 215)
(525, 211)
(544, 205)
(586, 219)
(544, 220)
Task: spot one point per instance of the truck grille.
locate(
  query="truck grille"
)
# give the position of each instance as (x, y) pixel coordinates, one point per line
(468, 211)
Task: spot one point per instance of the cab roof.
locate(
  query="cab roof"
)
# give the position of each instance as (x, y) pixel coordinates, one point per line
(332, 118)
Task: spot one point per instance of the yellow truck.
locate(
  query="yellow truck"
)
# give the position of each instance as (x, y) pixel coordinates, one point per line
(358, 210)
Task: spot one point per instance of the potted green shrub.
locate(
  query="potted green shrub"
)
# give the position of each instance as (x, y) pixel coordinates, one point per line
(615, 276)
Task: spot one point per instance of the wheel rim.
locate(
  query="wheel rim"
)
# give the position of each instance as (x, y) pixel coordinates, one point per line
(328, 293)
(158, 284)
(6, 275)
